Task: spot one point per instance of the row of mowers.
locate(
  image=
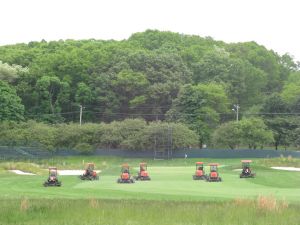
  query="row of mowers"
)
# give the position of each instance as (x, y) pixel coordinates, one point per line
(88, 174)
(126, 177)
(213, 175)
(91, 174)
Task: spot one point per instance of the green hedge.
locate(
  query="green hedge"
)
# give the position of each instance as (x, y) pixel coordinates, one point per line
(133, 134)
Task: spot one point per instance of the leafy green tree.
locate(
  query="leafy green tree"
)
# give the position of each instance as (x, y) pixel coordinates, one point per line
(255, 133)
(84, 148)
(117, 133)
(10, 134)
(95, 72)
(166, 73)
(106, 101)
(83, 94)
(227, 134)
(53, 94)
(200, 106)
(276, 114)
(274, 105)
(130, 87)
(40, 134)
(288, 66)
(10, 73)
(291, 90)
(262, 59)
(29, 133)
(157, 136)
(11, 107)
(283, 129)
(244, 82)
(296, 137)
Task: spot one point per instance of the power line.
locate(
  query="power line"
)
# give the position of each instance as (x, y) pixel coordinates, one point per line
(49, 114)
(275, 113)
(158, 114)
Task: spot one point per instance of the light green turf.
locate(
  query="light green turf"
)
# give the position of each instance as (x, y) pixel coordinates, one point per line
(23, 199)
(171, 180)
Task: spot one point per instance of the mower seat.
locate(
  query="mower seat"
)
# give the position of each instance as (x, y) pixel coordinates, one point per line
(199, 173)
(144, 173)
(125, 176)
(214, 174)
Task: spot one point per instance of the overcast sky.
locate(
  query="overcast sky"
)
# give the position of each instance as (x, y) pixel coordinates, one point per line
(273, 23)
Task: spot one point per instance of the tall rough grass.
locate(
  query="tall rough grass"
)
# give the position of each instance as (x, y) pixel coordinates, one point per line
(24, 205)
(263, 210)
(23, 166)
(281, 161)
(269, 203)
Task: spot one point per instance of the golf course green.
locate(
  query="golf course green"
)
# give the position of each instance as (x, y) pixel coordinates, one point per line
(275, 191)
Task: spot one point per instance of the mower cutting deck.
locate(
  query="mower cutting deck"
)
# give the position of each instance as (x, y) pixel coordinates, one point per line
(52, 179)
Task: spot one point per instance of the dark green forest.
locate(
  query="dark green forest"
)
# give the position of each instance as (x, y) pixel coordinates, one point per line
(156, 76)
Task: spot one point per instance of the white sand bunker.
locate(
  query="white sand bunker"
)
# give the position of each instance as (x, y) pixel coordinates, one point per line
(20, 172)
(72, 172)
(287, 168)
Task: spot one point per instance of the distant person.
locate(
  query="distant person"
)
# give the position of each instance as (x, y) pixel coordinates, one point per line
(185, 156)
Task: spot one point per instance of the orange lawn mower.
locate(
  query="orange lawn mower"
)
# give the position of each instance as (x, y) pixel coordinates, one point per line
(89, 173)
(125, 176)
(199, 173)
(52, 180)
(213, 175)
(247, 172)
(143, 174)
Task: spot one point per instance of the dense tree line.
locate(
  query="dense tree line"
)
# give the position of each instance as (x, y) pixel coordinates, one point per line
(134, 134)
(155, 76)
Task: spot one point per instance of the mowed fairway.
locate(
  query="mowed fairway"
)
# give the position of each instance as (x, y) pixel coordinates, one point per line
(168, 182)
(171, 185)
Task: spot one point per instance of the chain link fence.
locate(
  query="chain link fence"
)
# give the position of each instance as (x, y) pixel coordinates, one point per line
(23, 152)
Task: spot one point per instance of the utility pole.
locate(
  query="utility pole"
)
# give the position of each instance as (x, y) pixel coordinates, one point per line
(80, 116)
(236, 110)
